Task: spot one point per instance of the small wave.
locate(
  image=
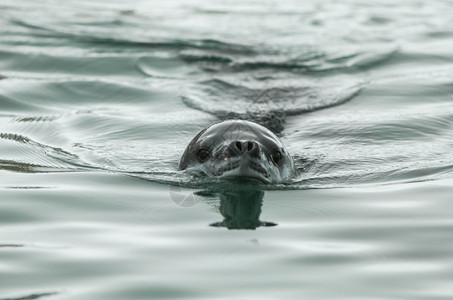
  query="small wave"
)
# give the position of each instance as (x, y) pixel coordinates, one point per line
(248, 60)
(11, 245)
(26, 155)
(205, 57)
(303, 61)
(357, 59)
(36, 119)
(32, 296)
(42, 95)
(87, 32)
(387, 173)
(10, 104)
(16, 166)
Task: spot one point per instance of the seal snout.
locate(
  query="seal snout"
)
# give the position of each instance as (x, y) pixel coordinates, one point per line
(241, 147)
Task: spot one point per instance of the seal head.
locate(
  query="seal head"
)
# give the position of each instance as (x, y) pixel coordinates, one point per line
(238, 148)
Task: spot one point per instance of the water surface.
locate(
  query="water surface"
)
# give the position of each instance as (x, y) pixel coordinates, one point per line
(98, 101)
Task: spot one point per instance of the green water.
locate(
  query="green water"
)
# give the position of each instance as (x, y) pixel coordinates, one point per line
(99, 100)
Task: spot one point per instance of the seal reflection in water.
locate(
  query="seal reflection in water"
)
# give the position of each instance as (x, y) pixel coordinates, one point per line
(240, 206)
(238, 148)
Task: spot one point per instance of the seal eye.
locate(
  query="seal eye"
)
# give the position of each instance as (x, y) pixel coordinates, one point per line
(276, 157)
(203, 155)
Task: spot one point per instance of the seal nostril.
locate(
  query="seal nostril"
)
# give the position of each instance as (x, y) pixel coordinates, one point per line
(276, 157)
(238, 146)
(249, 146)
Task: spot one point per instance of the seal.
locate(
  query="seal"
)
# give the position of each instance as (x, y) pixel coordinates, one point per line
(238, 148)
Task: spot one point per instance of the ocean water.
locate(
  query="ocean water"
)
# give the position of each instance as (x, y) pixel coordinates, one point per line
(98, 101)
